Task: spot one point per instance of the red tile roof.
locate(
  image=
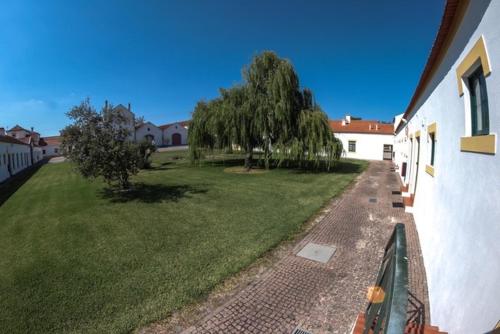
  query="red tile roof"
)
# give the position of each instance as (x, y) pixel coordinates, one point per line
(182, 123)
(18, 128)
(355, 126)
(11, 140)
(53, 140)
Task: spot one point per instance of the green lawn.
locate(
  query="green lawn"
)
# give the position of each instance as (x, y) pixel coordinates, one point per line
(77, 258)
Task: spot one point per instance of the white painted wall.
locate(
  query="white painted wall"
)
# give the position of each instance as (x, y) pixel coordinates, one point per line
(51, 150)
(457, 211)
(368, 146)
(175, 128)
(146, 129)
(19, 155)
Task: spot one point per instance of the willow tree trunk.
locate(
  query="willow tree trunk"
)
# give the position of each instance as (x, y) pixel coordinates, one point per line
(248, 157)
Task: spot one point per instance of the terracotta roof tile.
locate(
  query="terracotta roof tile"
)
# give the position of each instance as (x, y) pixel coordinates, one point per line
(11, 140)
(182, 123)
(355, 126)
(53, 140)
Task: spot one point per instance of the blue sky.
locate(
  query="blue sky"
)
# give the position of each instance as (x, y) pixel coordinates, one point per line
(360, 57)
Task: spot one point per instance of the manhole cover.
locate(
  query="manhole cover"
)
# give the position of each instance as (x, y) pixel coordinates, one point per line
(372, 200)
(316, 252)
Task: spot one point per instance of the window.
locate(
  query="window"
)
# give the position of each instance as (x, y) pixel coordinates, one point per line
(478, 103)
(352, 146)
(431, 140)
(56, 150)
(44, 152)
(471, 78)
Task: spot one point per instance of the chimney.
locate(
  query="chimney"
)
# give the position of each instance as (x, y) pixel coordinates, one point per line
(32, 129)
(343, 122)
(106, 105)
(369, 127)
(348, 119)
(129, 106)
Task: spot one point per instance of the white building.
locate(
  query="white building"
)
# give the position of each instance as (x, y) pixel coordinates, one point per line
(446, 151)
(30, 137)
(369, 140)
(172, 134)
(175, 134)
(51, 146)
(149, 132)
(15, 156)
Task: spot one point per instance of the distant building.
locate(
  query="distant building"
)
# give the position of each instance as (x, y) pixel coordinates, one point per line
(175, 134)
(369, 140)
(15, 154)
(172, 134)
(29, 137)
(51, 146)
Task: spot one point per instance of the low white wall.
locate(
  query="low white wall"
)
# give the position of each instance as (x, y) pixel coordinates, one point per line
(368, 146)
(18, 156)
(457, 210)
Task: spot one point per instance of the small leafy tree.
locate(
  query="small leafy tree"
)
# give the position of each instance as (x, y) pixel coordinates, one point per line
(97, 143)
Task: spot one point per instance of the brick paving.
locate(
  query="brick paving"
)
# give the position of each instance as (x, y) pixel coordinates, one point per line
(326, 298)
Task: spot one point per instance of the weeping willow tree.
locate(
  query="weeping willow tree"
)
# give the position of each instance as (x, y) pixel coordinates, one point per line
(268, 112)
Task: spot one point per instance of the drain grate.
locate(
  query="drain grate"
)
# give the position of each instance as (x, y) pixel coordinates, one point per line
(373, 200)
(315, 252)
(300, 331)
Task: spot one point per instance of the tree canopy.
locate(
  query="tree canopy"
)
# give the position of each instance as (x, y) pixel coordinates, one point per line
(268, 112)
(97, 143)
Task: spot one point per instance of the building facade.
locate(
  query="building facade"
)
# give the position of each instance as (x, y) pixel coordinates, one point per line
(15, 156)
(51, 146)
(173, 134)
(446, 151)
(368, 140)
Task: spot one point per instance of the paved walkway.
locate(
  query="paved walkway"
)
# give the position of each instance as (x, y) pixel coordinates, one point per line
(326, 298)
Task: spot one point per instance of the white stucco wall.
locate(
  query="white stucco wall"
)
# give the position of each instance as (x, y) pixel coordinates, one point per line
(146, 129)
(457, 211)
(51, 150)
(17, 153)
(368, 146)
(175, 128)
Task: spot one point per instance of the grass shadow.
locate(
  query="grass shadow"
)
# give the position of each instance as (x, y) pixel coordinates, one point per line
(150, 193)
(160, 166)
(11, 185)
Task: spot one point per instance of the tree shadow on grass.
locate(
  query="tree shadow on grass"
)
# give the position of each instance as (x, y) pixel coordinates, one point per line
(159, 167)
(151, 193)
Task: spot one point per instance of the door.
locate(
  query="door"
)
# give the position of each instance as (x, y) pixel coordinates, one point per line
(411, 162)
(176, 139)
(417, 158)
(387, 152)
